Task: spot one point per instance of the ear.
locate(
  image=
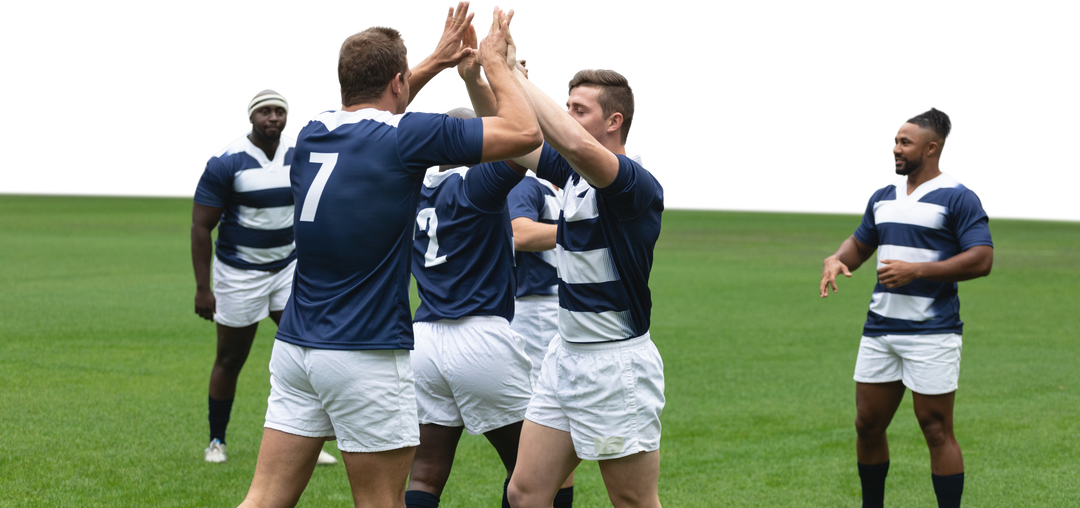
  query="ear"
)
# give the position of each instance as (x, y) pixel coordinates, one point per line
(396, 84)
(614, 122)
(933, 148)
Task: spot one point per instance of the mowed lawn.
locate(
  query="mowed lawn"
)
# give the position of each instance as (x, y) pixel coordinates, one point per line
(104, 369)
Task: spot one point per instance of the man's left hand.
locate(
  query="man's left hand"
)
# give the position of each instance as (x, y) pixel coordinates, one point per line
(451, 48)
(897, 273)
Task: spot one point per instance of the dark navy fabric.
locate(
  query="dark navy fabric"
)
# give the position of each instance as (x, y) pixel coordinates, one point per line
(536, 274)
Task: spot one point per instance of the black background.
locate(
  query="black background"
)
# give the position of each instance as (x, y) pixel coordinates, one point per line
(760, 109)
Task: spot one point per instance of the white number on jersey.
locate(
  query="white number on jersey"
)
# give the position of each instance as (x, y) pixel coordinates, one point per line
(314, 193)
(429, 222)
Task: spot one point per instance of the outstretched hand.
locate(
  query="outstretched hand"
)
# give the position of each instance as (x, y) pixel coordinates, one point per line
(495, 48)
(451, 48)
(469, 67)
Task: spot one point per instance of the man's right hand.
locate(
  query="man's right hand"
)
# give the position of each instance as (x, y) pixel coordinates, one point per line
(469, 67)
(205, 304)
(493, 49)
(832, 267)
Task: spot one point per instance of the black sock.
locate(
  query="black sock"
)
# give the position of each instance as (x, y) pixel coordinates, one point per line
(565, 498)
(873, 484)
(420, 499)
(219, 418)
(948, 490)
(506, 500)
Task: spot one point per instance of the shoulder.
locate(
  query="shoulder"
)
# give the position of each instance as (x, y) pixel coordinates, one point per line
(334, 120)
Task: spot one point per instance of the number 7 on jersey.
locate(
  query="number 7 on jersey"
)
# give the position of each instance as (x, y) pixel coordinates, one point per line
(314, 193)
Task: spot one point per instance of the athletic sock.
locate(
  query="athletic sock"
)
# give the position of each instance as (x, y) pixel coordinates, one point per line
(420, 499)
(948, 490)
(506, 499)
(873, 484)
(219, 418)
(565, 498)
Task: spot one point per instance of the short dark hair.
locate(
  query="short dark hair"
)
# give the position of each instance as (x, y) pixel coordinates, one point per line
(367, 62)
(935, 120)
(615, 94)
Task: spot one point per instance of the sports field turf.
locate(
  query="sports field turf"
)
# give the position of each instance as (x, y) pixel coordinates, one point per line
(104, 369)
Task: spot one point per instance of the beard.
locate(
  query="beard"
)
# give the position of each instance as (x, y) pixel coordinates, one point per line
(909, 167)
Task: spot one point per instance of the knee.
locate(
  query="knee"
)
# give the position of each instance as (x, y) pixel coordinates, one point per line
(428, 477)
(867, 426)
(230, 364)
(934, 429)
(520, 497)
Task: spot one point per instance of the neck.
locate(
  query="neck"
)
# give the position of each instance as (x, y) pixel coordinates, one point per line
(267, 144)
(614, 145)
(385, 102)
(928, 172)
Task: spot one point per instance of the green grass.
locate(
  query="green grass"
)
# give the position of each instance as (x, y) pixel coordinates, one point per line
(104, 368)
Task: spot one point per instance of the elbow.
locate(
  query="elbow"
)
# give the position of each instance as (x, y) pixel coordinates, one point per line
(532, 137)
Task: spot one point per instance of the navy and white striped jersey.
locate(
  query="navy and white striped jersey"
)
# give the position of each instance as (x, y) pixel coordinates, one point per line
(604, 250)
(941, 219)
(463, 247)
(356, 179)
(538, 201)
(255, 232)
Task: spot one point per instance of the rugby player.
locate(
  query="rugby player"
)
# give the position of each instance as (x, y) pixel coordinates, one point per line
(340, 367)
(930, 233)
(246, 188)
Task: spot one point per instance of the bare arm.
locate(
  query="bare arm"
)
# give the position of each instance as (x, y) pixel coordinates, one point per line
(513, 132)
(848, 258)
(532, 236)
(203, 220)
(448, 52)
(971, 264)
(585, 154)
(480, 94)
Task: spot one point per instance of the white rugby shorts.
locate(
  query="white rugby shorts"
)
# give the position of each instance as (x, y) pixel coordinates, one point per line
(364, 398)
(470, 372)
(536, 317)
(607, 395)
(245, 297)
(927, 364)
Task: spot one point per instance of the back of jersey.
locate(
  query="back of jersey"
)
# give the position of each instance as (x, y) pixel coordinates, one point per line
(355, 179)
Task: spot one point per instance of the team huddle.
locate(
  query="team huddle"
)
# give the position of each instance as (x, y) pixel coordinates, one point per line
(530, 234)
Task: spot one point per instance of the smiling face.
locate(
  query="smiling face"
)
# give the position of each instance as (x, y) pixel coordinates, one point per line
(913, 145)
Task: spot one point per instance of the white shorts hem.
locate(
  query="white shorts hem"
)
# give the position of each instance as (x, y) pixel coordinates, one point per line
(551, 424)
(298, 432)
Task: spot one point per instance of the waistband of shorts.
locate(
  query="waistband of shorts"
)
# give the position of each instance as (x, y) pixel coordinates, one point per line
(539, 298)
(470, 320)
(611, 345)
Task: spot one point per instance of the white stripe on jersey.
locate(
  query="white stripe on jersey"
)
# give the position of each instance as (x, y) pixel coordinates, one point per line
(264, 256)
(582, 327)
(909, 254)
(335, 119)
(434, 178)
(274, 176)
(927, 215)
(278, 217)
(586, 267)
(579, 208)
(894, 306)
(551, 206)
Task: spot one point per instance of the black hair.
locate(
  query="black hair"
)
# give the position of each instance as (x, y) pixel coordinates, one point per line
(935, 120)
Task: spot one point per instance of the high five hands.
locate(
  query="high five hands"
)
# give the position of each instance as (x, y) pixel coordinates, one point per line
(498, 46)
(452, 47)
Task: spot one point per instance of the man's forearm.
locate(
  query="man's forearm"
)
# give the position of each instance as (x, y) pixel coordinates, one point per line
(201, 255)
(482, 98)
(532, 236)
(423, 72)
(971, 264)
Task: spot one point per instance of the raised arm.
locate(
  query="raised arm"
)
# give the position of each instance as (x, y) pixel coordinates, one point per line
(585, 154)
(483, 100)
(848, 258)
(513, 131)
(450, 50)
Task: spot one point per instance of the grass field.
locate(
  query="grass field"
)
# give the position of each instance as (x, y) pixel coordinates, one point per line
(104, 368)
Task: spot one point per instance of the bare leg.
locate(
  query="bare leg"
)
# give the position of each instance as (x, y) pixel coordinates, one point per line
(283, 469)
(935, 415)
(378, 479)
(875, 405)
(434, 458)
(633, 481)
(505, 440)
(276, 316)
(546, 458)
(233, 346)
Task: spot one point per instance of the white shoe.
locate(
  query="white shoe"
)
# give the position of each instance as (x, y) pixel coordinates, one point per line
(325, 459)
(216, 452)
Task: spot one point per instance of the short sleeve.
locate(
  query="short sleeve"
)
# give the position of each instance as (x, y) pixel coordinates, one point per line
(426, 139)
(632, 191)
(526, 200)
(553, 167)
(216, 185)
(867, 232)
(970, 222)
(487, 185)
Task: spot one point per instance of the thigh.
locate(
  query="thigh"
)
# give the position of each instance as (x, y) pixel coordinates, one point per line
(546, 458)
(435, 404)
(378, 479)
(877, 362)
(234, 344)
(368, 396)
(487, 370)
(876, 403)
(633, 480)
(931, 363)
(242, 296)
(283, 469)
